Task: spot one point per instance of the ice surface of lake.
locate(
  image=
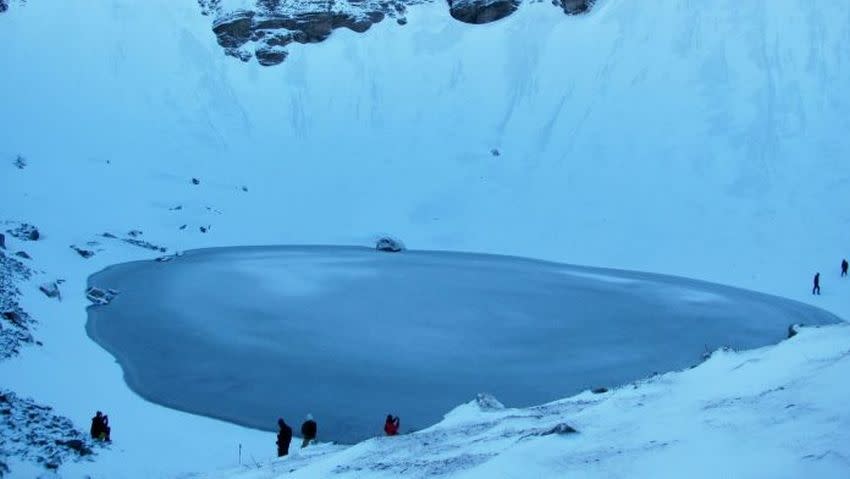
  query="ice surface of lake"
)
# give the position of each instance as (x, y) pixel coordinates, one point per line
(350, 334)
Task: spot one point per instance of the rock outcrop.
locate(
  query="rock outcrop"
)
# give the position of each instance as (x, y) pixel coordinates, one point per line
(263, 33)
(264, 29)
(481, 11)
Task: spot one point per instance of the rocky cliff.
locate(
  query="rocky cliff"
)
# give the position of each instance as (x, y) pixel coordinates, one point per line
(266, 27)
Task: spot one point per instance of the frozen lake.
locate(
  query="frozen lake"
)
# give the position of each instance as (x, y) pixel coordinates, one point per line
(350, 334)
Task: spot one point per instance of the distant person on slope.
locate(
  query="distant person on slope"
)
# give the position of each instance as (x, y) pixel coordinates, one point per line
(107, 431)
(284, 437)
(844, 266)
(309, 430)
(816, 289)
(97, 425)
(391, 425)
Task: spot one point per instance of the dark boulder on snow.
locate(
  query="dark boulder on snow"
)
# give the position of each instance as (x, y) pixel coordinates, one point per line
(196, 181)
(270, 56)
(560, 429)
(100, 296)
(599, 390)
(85, 253)
(134, 233)
(2, 241)
(51, 290)
(574, 7)
(481, 11)
(25, 232)
(23, 254)
(3, 7)
(76, 445)
(793, 329)
(388, 244)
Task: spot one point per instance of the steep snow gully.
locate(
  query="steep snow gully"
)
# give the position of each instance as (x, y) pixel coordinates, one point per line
(669, 137)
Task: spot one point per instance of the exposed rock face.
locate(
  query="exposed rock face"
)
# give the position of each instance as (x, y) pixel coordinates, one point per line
(15, 324)
(35, 433)
(25, 232)
(574, 7)
(263, 30)
(481, 11)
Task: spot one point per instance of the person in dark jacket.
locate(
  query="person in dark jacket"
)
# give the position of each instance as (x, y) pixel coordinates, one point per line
(284, 437)
(391, 425)
(97, 425)
(309, 430)
(816, 288)
(106, 435)
(844, 266)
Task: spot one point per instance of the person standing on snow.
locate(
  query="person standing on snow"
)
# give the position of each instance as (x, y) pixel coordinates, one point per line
(816, 289)
(97, 425)
(309, 430)
(391, 425)
(284, 437)
(844, 266)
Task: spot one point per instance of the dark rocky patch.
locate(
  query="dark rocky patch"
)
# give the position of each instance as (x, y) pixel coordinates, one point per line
(15, 324)
(574, 7)
(560, 429)
(481, 11)
(793, 329)
(85, 253)
(134, 233)
(35, 433)
(389, 245)
(109, 235)
(245, 189)
(495, 152)
(183, 227)
(23, 254)
(51, 290)
(263, 31)
(2, 241)
(196, 181)
(145, 244)
(20, 162)
(25, 232)
(204, 229)
(100, 296)
(599, 390)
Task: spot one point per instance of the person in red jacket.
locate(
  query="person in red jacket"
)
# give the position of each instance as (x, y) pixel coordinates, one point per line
(392, 424)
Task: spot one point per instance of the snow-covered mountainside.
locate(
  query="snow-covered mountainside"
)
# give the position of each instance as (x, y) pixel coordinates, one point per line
(702, 142)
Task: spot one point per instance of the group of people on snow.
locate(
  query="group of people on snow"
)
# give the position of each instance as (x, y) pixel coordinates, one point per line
(816, 287)
(309, 431)
(100, 429)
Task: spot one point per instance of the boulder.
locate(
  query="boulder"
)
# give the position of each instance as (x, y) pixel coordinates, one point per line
(560, 429)
(20, 162)
(481, 11)
(196, 181)
(100, 296)
(51, 290)
(487, 402)
(388, 244)
(76, 445)
(2, 241)
(234, 30)
(574, 7)
(25, 232)
(599, 390)
(793, 329)
(270, 56)
(23, 254)
(85, 253)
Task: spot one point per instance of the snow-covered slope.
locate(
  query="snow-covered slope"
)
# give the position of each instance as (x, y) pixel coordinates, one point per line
(657, 136)
(770, 413)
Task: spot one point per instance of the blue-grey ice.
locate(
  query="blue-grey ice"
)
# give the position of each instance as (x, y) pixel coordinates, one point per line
(351, 335)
